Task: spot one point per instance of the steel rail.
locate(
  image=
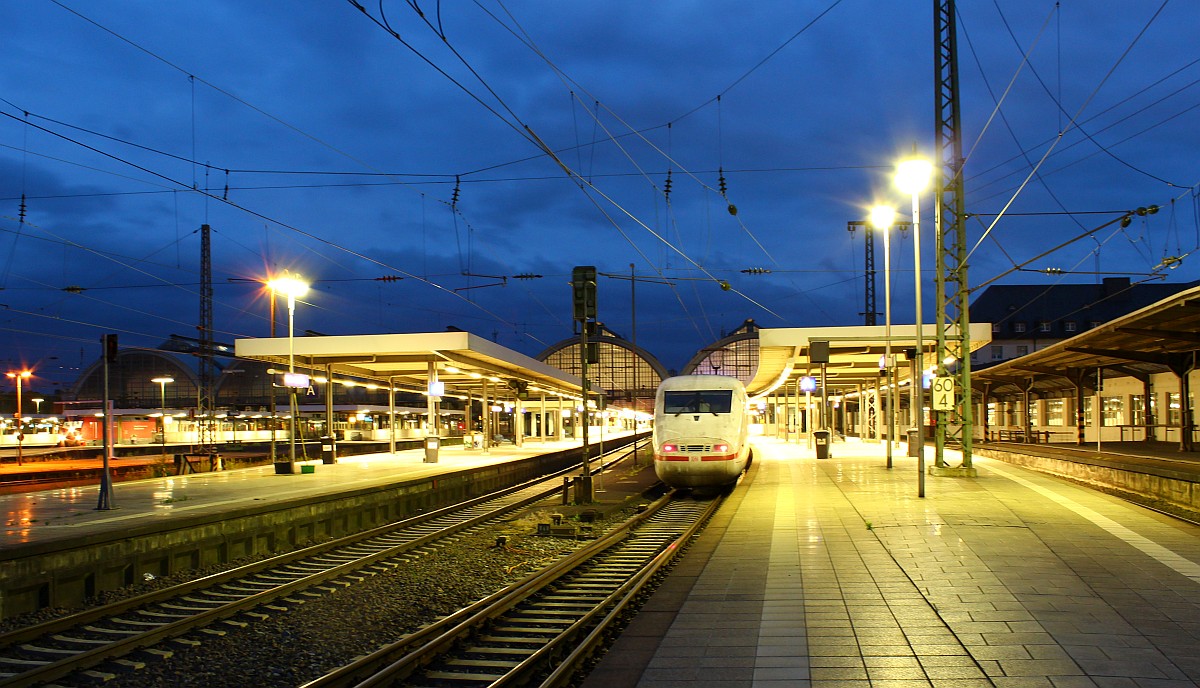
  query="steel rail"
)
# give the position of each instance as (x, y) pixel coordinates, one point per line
(193, 618)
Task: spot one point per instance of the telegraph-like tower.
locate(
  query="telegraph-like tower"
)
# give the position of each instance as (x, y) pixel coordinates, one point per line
(206, 408)
(953, 318)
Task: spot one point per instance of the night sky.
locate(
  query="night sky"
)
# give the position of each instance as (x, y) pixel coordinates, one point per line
(473, 153)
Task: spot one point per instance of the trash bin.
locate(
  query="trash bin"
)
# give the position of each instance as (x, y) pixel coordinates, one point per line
(431, 449)
(821, 437)
(328, 450)
(913, 442)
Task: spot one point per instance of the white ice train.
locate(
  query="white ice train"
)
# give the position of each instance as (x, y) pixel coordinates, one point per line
(701, 431)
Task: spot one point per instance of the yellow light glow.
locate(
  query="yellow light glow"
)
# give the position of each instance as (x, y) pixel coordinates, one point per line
(289, 286)
(913, 175)
(882, 216)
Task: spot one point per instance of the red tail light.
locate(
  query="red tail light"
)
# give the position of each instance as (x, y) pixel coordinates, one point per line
(721, 447)
(669, 448)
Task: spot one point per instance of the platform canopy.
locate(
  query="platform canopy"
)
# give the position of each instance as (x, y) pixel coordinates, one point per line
(785, 354)
(463, 362)
(1162, 337)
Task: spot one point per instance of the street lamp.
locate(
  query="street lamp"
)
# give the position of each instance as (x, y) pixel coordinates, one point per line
(882, 218)
(19, 375)
(291, 287)
(38, 401)
(162, 385)
(912, 176)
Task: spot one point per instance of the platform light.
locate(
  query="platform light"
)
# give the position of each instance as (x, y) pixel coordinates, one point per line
(296, 380)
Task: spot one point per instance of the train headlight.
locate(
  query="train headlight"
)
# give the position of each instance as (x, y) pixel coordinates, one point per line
(670, 448)
(721, 447)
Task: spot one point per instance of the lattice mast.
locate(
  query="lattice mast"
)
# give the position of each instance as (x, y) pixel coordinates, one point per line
(206, 411)
(953, 318)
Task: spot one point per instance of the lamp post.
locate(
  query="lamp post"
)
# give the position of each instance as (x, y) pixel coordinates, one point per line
(912, 176)
(291, 287)
(19, 375)
(882, 218)
(163, 381)
(38, 401)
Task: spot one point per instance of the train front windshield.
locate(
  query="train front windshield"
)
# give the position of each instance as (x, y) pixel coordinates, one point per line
(698, 401)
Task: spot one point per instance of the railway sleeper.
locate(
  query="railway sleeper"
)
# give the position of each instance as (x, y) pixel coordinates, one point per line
(524, 635)
(500, 666)
(460, 676)
(111, 631)
(167, 617)
(550, 615)
(494, 651)
(137, 624)
(38, 649)
(519, 641)
(81, 641)
(17, 661)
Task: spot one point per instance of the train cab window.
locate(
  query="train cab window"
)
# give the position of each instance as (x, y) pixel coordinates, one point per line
(698, 401)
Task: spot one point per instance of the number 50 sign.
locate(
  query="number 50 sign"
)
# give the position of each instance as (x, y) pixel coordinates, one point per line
(942, 389)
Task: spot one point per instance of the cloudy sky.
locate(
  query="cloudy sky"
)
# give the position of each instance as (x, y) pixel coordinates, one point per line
(473, 153)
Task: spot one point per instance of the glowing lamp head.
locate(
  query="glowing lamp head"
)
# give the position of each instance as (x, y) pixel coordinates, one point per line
(913, 175)
(289, 286)
(882, 216)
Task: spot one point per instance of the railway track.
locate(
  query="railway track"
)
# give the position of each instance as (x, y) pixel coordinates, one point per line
(541, 630)
(98, 643)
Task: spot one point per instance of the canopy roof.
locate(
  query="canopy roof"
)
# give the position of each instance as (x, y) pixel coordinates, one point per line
(464, 362)
(1162, 337)
(854, 353)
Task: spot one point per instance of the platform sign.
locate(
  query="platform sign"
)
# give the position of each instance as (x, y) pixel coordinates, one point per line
(942, 391)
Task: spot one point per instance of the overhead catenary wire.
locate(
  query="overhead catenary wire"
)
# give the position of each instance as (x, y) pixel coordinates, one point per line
(1069, 125)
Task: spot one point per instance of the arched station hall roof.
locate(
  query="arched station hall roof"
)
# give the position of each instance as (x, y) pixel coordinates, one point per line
(464, 361)
(1162, 337)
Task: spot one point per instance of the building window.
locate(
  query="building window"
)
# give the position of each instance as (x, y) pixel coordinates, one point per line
(1019, 327)
(1173, 414)
(1093, 324)
(997, 352)
(1114, 410)
(1054, 411)
(1043, 326)
(1137, 409)
(1022, 349)
(995, 328)
(1070, 326)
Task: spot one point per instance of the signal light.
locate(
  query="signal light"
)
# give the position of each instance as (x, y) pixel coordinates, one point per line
(110, 348)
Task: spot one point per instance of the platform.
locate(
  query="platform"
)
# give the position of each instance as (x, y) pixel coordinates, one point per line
(67, 513)
(833, 572)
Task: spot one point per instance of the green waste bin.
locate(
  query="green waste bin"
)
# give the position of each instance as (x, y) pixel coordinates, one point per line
(821, 437)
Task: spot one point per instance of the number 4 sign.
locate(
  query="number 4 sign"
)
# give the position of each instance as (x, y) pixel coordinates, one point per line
(943, 393)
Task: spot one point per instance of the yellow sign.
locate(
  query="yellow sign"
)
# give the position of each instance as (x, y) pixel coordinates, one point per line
(942, 391)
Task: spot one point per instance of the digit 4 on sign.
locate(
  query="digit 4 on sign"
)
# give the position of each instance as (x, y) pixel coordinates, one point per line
(942, 389)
